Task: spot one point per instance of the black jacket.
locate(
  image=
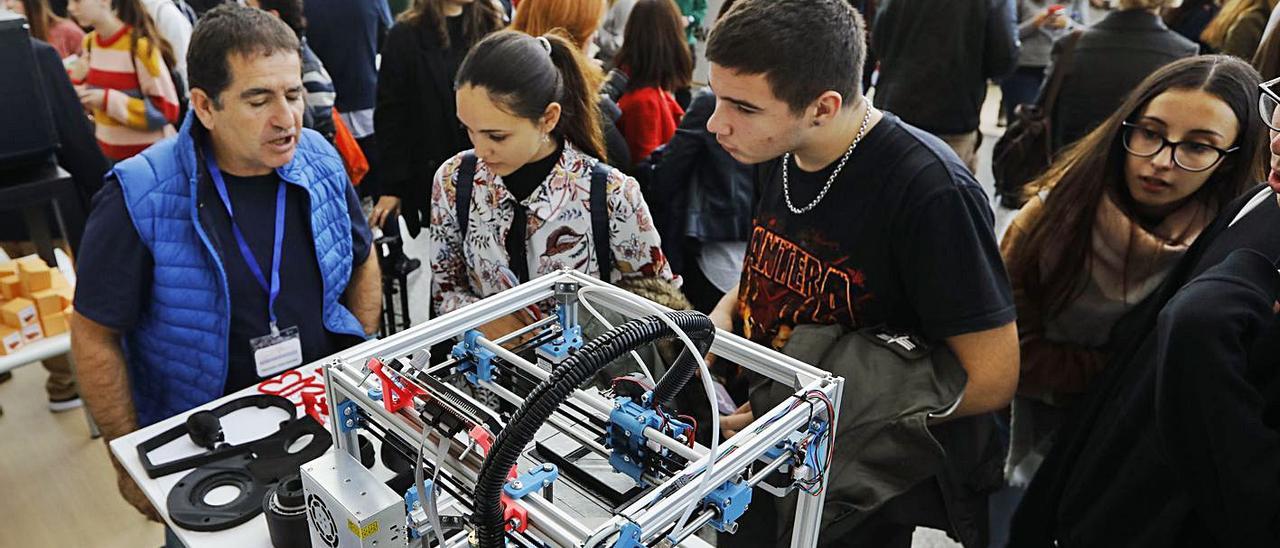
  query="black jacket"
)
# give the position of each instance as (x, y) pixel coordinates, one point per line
(615, 145)
(697, 190)
(78, 151)
(1112, 57)
(1178, 442)
(936, 57)
(416, 119)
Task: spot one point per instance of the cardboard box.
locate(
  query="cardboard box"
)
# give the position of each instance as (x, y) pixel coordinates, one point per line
(57, 280)
(10, 340)
(30, 261)
(35, 278)
(19, 313)
(32, 333)
(10, 287)
(54, 324)
(47, 302)
(67, 295)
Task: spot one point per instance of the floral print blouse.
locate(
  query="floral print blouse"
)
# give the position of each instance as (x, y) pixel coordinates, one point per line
(559, 230)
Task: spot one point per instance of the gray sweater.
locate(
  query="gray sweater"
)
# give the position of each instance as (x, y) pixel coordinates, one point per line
(1037, 42)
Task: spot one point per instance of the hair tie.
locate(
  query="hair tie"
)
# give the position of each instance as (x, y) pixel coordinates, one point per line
(546, 44)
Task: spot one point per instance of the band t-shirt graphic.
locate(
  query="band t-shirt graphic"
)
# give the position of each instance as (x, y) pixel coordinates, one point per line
(902, 239)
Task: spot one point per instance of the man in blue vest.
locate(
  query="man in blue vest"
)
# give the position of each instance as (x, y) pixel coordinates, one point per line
(226, 254)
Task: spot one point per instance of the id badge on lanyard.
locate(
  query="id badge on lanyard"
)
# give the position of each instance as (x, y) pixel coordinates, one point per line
(279, 349)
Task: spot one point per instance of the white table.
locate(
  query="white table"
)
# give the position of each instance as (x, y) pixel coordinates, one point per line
(240, 426)
(42, 349)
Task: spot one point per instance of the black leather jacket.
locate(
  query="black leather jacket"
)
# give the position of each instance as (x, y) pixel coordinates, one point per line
(697, 190)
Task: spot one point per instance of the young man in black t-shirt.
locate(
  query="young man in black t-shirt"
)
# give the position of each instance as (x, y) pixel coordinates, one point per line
(861, 221)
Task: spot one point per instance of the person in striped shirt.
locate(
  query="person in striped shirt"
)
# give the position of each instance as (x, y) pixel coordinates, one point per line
(123, 79)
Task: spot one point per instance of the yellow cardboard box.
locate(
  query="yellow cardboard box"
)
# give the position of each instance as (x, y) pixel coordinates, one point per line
(10, 340)
(66, 294)
(35, 278)
(10, 287)
(19, 313)
(54, 324)
(47, 302)
(32, 333)
(57, 280)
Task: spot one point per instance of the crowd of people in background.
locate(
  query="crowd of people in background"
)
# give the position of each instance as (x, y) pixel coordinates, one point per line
(1135, 402)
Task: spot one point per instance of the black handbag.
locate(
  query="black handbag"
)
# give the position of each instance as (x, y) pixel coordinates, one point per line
(1026, 148)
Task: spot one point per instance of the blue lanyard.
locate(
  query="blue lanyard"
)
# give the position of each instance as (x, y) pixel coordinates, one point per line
(273, 290)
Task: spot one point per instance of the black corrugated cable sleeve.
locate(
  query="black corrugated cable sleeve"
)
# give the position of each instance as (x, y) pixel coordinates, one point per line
(549, 394)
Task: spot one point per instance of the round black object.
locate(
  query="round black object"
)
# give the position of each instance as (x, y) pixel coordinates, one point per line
(205, 429)
(286, 510)
(187, 506)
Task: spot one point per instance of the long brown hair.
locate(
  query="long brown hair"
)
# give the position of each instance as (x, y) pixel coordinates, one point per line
(479, 19)
(1215, 33)
(654, 49)
(136, 16)
(1053, 263)
(518, 72)
(40, 18)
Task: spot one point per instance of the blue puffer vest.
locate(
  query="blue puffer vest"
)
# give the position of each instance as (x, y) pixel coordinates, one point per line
(177, 354)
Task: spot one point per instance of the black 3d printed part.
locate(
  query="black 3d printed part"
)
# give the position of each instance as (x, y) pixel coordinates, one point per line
(220, 452)
(189, 510)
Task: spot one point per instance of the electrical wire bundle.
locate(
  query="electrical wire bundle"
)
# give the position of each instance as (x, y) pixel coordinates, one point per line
(816, 443)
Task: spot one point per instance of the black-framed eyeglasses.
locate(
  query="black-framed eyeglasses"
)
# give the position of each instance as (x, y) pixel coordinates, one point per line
(1268, 100)
(1188, 155)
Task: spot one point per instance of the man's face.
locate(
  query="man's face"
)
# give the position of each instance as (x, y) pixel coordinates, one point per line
(750, 122)
(257, 126)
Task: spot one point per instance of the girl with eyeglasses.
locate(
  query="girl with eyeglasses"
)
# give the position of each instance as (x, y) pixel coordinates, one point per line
(1113, 215)
(1177, 441)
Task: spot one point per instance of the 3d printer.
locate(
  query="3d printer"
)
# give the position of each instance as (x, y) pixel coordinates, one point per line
(509, 444)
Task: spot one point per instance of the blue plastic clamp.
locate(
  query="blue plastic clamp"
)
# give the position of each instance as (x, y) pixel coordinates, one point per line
(625, 436)
(731, 499)
(533, 480)
(410, 501)
(629, 537)
(559, 349)
(570, 338)
(348, 416)
(474, 362)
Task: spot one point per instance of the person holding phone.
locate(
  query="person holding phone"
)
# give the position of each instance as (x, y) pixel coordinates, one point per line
(1041, 23)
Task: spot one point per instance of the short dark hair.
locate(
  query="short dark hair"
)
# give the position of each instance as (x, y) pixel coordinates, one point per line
(802, 47)
(290, 12)
(228, 29)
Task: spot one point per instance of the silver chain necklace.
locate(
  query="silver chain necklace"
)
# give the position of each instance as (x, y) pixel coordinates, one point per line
(786, 159)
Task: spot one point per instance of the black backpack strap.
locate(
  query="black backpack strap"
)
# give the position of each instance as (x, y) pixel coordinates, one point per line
(462, 190)
(600, 218)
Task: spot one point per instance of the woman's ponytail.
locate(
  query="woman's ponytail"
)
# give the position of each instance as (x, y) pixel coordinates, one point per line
(527, 74)
(580, 110)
